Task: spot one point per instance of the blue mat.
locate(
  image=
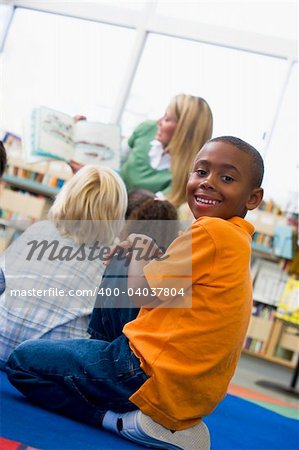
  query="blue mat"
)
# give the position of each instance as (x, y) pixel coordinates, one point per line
(236, 424)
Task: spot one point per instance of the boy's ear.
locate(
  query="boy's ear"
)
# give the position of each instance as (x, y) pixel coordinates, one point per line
(255, 198)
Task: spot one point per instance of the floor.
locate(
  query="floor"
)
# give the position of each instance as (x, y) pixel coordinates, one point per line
(251, 369)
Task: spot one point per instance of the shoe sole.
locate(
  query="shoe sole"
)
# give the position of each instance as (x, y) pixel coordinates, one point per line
(195, 438)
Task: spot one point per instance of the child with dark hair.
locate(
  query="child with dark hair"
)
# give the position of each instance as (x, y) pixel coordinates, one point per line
(155, 379)
(3, 158)
(154, 209)
(157, 219)
(136, 198)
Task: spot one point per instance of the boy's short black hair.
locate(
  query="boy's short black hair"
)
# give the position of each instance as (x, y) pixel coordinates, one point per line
(257, 161)
(3, 158)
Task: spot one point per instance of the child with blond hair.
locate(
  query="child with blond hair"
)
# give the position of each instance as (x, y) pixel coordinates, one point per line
(53, 269)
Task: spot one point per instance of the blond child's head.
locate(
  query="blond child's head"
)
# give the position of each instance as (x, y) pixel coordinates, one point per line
(91, 205)
(226, 179)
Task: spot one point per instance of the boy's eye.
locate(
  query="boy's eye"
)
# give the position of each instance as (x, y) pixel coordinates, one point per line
(227, 179)
(201, 172)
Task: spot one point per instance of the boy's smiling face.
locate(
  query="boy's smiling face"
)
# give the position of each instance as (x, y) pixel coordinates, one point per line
(220, 184)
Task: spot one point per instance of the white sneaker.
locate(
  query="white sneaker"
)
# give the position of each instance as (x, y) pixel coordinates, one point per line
(140, 428)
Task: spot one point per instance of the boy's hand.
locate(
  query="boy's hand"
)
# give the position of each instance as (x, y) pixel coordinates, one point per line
(139, 249)
(146, 248)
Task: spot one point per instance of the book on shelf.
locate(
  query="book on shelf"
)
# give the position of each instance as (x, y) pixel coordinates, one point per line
(43, 175)
(51, 134)
(284, 241)
(12, 143)
(259, 327)
(288, 305)
(269, 282)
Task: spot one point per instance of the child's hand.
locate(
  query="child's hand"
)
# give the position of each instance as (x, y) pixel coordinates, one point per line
(141, 244)
(144, 246)
(79, 117)
(75, 166)
(123, 248)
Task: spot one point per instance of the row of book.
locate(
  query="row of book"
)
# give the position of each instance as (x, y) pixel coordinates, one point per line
(281, 243)
(266, 313)
(255, 345)
(21, 205)
(269, 281)
(44, 178)
(11, 216)
(263, 239)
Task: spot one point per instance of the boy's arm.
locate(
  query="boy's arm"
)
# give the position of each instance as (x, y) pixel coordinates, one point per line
(143, 250)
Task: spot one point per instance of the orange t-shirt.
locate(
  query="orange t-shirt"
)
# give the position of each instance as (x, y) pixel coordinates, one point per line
(190, 351)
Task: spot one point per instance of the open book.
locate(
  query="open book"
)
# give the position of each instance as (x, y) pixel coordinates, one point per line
(56, 135)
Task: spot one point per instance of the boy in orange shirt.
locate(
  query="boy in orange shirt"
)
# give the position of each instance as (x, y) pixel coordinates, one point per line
(183, 347)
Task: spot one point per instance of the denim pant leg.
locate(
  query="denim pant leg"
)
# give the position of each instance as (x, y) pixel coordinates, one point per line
(81, 378)
(112, 311)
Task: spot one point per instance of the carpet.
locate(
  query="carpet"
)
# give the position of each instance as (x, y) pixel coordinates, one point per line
(236, 424)
(287, 408)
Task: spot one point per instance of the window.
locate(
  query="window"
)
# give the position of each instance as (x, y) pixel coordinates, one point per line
(6, 12)
(72, 65)
(281, 161)
(242, 88)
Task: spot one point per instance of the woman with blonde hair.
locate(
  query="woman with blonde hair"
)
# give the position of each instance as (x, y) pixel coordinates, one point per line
(54, 268)
(161, 153)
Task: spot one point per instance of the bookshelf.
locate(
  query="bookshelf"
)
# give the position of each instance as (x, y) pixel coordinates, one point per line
(18, 209)
(45, 178)
(279, 342)
(27, 192)
(273, 252)
(284, 338)
(274, 235)
(31, 185)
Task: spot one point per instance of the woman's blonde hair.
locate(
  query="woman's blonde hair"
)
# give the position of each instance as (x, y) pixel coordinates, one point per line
(93, 194)
(194, 127)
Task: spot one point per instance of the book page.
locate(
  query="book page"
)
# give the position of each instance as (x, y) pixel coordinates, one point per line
(97, 143)
(52, 134)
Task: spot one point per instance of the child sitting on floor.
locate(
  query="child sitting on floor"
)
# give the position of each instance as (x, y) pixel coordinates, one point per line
(52, 271)
(156, 378)
(158, 220)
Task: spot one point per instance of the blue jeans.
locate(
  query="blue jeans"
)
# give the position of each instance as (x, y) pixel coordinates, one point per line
(81, 378)
(107, 318)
